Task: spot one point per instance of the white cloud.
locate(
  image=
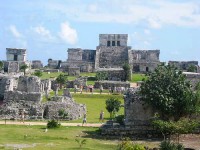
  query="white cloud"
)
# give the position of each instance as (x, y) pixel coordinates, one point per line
(68, 34)
(15, 32)
(42, 31)
(154, 14)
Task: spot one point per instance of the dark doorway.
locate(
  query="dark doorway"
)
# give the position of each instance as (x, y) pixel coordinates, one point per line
(147, 69)
(136, 68)
(15, 58)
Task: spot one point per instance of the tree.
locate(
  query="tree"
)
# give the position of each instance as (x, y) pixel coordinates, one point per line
(24, 67)
(192, 68)
(168, 92)
(61, 79)
(112, 106)
(1, 65)
(127, 72)
(38, 73)
(101, 75)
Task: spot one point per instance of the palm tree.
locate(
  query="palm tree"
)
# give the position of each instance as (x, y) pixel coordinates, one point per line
(24, 67)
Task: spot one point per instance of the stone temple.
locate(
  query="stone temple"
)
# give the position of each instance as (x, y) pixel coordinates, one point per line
(111, 53)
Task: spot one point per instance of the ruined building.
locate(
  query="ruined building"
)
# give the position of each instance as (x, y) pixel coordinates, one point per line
(111, 53)
(15, 58)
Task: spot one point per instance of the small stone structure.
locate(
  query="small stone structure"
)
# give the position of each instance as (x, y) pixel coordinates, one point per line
(15, 58)
(36, 64)
(73, 71)
(78, 82)
(106, 84)
(194, 78)
(26, 93)
(183, 65)
(137, 118)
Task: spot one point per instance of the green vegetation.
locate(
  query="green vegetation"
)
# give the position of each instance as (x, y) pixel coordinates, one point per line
(113, 106)
(23, 68)
(95, 103)
(168, 92)
(101, 75)
(61, 80)
(138, 77)
(167, 145)
(127, 72)
(54, 139)
(127, 144)
(91, 76)
(38, 73)
(53, 124)
(1, 65)
(192, 68)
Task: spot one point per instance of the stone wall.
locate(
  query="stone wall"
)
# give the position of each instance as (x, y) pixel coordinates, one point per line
(113, 39)
(6, 84)
(54, 64)
(183, 65)
(16, 54)
(111, 57)
(29, 84)
(194, 78)
(144, 60)
(73, 71)
(74, 110)
(36, 64)
(106, 84)
(78, 81)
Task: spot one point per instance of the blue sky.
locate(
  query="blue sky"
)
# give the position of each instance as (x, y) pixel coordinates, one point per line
(48, 28)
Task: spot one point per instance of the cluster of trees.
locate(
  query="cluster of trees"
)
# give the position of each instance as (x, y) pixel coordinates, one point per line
(171, 96)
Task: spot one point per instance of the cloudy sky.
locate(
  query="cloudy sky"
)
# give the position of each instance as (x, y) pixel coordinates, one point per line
(48, 28)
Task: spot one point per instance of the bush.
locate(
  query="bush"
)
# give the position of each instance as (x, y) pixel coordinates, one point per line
(53, 124)
(126, 144)
(120, 119)
(167, 145)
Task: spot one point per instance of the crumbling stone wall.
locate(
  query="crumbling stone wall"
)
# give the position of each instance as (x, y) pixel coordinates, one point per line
(78, 81)
(27, 96)
(36, 64)
(67, 104)
(106, 84)
(194, 78)
(74, 71)
(144, 60)
(183, 65)
(16, 54)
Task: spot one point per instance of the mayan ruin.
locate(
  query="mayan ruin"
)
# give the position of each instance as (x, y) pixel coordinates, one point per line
(100, 75)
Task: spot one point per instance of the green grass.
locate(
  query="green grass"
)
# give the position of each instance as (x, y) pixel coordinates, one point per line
(54, 139)
(138, 77)
(95, 103)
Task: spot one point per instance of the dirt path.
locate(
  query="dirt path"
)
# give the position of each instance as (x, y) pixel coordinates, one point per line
(44, 123)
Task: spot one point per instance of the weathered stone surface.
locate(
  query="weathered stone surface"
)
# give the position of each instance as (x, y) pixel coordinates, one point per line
(29, 84)
(16, 54)
(106, 84)
(57, 103)
(36, 64)
(183, 65)
(78, 82)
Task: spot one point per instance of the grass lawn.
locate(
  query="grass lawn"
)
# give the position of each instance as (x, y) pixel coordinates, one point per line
(138, 77)
(94, 104)
(34, 137)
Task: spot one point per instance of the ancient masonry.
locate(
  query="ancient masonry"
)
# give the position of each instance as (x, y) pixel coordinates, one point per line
(25, 93)
(111, 53)
(17, 57)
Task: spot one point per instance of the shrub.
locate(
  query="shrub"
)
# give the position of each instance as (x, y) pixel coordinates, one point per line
(126, 144)
(167, 145)
(53, 124)
(120, 119)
